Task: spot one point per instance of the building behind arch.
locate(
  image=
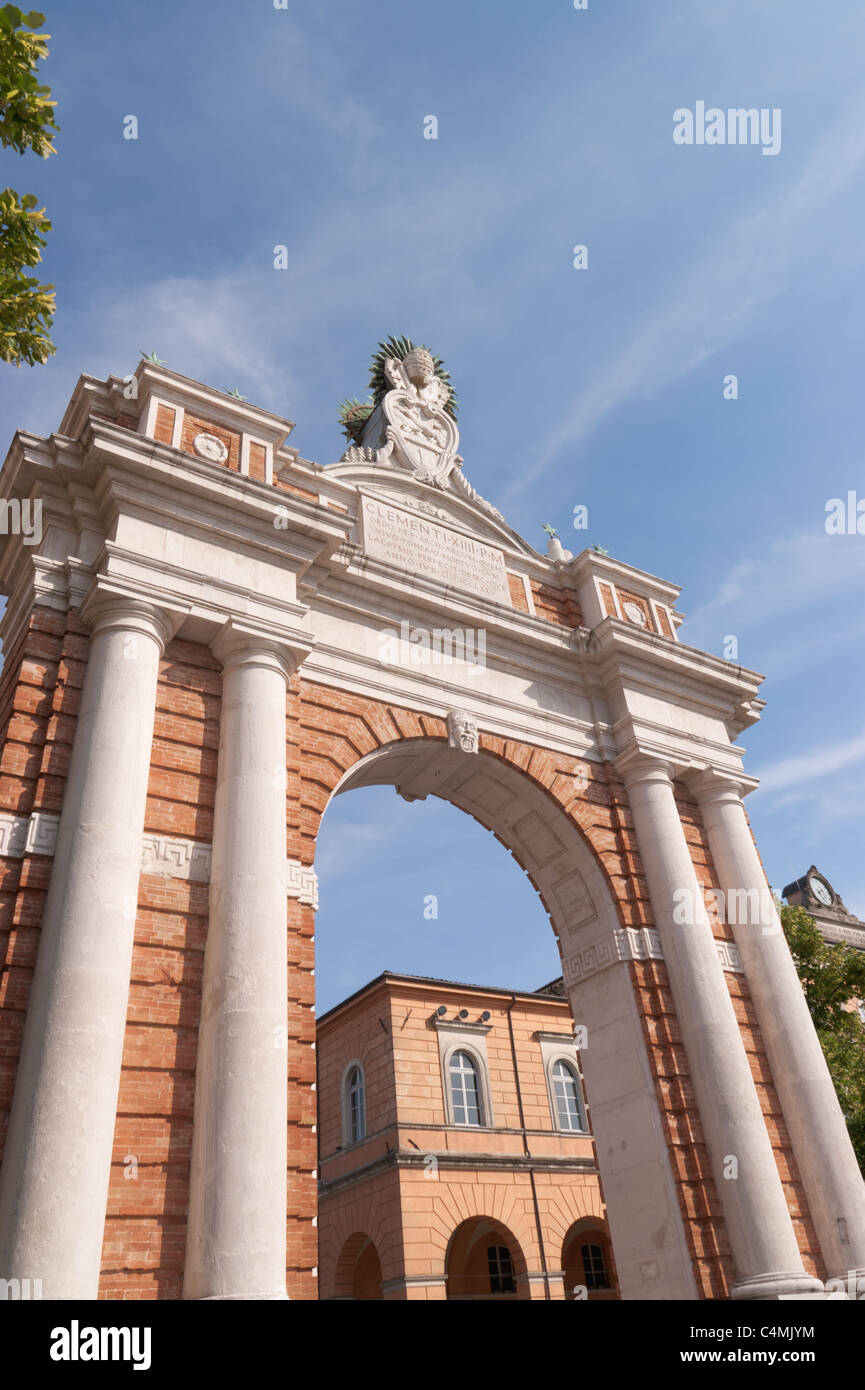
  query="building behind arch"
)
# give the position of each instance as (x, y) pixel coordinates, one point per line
(472, 1172)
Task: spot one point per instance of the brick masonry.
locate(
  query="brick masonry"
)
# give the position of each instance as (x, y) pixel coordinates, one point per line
(327, 732)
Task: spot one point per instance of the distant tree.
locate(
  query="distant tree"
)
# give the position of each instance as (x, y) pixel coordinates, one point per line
(831, 977)
(26, 123)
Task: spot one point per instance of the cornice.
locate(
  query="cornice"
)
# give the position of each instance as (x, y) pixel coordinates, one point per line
(462, 1162)
(592, 564)
(221, 405)
(625, 654)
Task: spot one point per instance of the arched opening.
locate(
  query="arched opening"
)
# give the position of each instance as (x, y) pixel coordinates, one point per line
(484, 1261)
(587, 1262)
(539, 810)
(425, 889)
(530, 823)
(358, 1270)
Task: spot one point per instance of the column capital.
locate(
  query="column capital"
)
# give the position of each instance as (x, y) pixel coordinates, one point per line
(248, 644)
(711, 784)
(636, 766)
(105, 608)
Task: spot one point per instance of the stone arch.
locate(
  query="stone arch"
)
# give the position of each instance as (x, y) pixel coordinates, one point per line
(467, 1268)
(355, 1221)
(534, 811)
(358, 1269)
(588, 1230)
(461, 1204)
(567, 824)
(568, 1208)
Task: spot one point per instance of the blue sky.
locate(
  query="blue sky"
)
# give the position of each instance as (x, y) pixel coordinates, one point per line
(304, 127)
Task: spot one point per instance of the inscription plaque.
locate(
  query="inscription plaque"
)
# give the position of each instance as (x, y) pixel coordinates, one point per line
(420, 546)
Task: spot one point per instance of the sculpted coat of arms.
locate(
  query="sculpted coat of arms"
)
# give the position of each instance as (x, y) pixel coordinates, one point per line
(418, 431)
(410, 421)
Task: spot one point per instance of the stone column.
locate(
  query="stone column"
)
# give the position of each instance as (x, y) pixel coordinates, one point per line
(767, 1260)
(821, 1143)
(237, 1203)
(58, 1150)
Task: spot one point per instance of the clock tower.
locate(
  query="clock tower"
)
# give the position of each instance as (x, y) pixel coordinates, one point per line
(835, 922)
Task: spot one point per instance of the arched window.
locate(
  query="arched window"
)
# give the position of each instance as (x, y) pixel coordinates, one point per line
(465, 1090)
(566, 1097)
(355, 1106)
(594, 1267)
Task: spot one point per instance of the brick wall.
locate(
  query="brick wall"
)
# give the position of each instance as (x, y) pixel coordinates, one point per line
(145, 1228)
(328, 731)
(39, 697)
(335, 729)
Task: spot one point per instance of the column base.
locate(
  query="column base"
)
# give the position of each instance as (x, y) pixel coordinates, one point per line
(777, 1286)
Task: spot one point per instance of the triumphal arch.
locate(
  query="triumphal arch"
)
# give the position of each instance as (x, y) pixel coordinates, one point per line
(207, 637)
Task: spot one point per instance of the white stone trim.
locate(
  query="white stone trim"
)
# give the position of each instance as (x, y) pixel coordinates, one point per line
(34, 834)
(153, 405)
(530, 598)
(633, 943)
(42, 833)
(728, 955)
(13, 834)
(170, 856)
(301, 882)
(175, 858)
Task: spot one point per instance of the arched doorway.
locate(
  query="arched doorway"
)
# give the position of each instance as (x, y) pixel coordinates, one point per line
(358, 1271)
(484, 1261)
(587, 1262)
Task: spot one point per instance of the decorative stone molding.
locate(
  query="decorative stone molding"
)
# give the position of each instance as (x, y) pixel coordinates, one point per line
(598, 956)
(35, 834)
(207, 446)
(13, 834)
(462, 731)
(301, 882)
(175, 858)
(639, 943)
(42, 833)
(728, 955)
(630, 943)
(166, 855)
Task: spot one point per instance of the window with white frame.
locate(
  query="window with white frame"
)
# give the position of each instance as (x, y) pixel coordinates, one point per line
(567, 1096)
(355, 1105)
(465, 1089)
(501, 1269)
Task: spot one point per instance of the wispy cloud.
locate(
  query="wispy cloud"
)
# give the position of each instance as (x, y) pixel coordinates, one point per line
(782, 581)
(747, 264)
(819, 762)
